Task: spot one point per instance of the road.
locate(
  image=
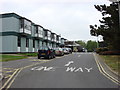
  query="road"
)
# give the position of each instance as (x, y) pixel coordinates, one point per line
(77, 70)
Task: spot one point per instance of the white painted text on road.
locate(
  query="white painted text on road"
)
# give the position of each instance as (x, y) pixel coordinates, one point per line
(70, 62)
(80, 69)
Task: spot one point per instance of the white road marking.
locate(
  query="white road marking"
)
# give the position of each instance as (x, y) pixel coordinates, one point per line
(79, 55)
(44, 68)
(88, 69)
(79, 69)
(34, 68)
(71, 69)
(70, 62)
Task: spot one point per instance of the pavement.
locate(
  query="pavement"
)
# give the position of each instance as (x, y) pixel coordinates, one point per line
(8, 68)
(106, 68)
(77, 70)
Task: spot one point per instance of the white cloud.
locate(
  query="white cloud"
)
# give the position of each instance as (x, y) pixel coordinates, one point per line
(53, 1)
(70, 18)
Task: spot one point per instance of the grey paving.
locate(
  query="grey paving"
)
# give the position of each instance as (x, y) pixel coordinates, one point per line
(107, 68)
(58, 77)
(18, 63)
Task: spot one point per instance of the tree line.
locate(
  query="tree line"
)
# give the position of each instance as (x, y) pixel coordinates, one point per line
(89, 45)
(109, 25)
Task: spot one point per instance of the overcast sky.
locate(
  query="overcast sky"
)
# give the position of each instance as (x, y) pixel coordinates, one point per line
(69, 18)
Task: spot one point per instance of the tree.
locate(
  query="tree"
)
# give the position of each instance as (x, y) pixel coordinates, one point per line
(91, 45)
(81, 43)
(109, 27)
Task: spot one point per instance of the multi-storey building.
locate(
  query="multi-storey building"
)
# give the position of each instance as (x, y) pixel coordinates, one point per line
(19, 34)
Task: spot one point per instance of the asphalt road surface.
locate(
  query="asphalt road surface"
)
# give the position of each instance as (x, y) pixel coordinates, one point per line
(78, 70)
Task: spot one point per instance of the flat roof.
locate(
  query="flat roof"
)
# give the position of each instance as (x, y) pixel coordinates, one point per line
(20, 17)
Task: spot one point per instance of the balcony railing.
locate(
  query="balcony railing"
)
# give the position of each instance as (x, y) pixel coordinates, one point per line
(46, 37)
(49, 38)
(25, 31)
(38, 35)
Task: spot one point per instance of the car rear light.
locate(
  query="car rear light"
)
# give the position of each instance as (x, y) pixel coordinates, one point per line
(49, 52)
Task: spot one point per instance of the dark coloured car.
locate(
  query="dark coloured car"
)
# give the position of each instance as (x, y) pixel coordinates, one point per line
(46, 52)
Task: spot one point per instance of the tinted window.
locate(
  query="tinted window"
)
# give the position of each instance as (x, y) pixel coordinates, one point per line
(19, 42)
(33, 43)
(27, 42)
(43, 48)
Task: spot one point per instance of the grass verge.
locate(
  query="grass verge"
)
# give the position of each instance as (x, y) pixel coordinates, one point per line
(4, 58)
(28, 54)
(113, 61)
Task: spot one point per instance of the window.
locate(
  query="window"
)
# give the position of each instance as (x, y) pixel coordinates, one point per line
(57, 37)
(45, 33)
(38, 43)
(19, 41)
(49, 34)
(33, 43)
(36, 29)
(27, 24)
(40, 30)
(27, 42)
(21, 23)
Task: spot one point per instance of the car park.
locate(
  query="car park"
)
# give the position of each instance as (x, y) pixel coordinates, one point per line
(46, 52)
(59, 52)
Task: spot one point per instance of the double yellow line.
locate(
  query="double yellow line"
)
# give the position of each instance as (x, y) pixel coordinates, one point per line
(9, 82)
(101, 69)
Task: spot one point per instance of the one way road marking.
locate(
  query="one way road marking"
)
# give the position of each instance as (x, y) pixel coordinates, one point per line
(79, 55)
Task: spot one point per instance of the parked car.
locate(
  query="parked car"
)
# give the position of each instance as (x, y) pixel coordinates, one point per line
(66, 50)
(70, 50)
(46, 52)
(59, 51)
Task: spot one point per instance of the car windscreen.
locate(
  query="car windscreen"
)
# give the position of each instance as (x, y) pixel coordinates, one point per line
(44, 48)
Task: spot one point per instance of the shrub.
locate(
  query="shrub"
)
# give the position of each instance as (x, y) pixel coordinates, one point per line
(102, 49)
(110, 53)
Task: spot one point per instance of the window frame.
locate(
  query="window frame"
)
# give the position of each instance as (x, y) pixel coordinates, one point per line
(27, 42)
(19, 41)
(33, 43)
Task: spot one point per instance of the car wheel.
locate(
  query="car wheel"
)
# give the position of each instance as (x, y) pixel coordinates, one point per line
(54, 56)
(38, 56)
(49, 57)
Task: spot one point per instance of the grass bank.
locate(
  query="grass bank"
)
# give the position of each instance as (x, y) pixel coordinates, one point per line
(113, 61)
(4, 58)
(28, 54)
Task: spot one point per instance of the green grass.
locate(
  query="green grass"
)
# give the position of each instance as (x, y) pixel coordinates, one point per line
(113, 61)
(4, 58)
(28, 54)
